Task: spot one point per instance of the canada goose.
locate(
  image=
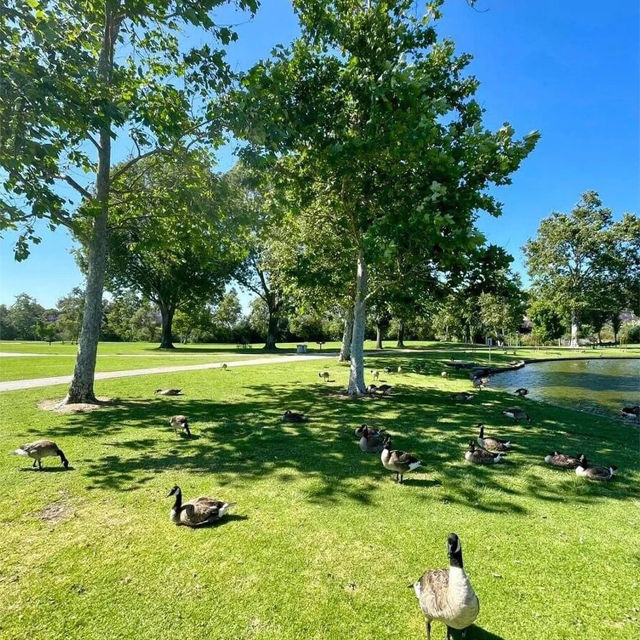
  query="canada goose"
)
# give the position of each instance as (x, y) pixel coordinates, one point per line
(481, 456)
(592, 472)
(372, 389)
(292, 416)
(196, 513)
(324, 375)
(562, 460)
(169, 392)
(371, 440)
(387, 369)
(462, 396)
(41, 449)
(516, 414)
(179, 423)
(446, 595)
(479, 382)
(630, 411)
(400, 462)
(376, 375)
(444, 374)
(399, 369)
(384, 389)
(225, 365)
(522, 392)
(492, 444)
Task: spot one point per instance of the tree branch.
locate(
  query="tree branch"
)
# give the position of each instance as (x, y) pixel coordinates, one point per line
(127, 165)
(78, 187)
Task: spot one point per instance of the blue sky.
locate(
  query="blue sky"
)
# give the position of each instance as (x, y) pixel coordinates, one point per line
(568, 68)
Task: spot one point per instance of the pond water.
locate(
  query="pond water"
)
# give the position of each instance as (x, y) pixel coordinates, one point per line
(598, 386)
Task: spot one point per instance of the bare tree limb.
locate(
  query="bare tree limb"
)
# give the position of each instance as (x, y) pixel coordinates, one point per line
(78, 187)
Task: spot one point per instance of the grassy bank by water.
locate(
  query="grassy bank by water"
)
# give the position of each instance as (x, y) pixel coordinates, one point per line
(322, 544)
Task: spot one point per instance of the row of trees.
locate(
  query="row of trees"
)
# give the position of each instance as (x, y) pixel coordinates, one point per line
(364, 165)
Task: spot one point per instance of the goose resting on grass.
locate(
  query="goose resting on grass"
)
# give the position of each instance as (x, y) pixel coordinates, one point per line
(41, 449)
(463, 396)
(481, 456)
(562, 460)
(199, 512)
(446, 595)
(169, 392)
(592, 472)
(492, 444)
(371, 440)
(632, 411)
(292, 416)
(400, 462)
(516, 414)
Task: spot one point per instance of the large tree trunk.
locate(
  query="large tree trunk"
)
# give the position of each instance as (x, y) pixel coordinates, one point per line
(400, 343)
(81, 389)
(347, 334)
(615, 325)
(574, 329)
(167, 311)
(272, 330)
(379, 344)
(357, 386)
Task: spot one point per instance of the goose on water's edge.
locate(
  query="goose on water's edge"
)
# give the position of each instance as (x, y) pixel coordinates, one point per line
(41, 449)
(446, 595)
(199, 512)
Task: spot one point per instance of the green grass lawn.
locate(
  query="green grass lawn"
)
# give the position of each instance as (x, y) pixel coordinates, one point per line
(59, 359)
(322, 544)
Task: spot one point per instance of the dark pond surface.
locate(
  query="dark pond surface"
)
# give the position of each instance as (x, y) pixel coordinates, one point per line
(600, 386)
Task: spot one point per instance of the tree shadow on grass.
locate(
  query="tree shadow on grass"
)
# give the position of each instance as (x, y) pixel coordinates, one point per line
(246, 440)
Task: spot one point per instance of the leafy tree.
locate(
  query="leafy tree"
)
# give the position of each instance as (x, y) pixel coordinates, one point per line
(7, 330)
(130, 318)
(228, 311)
(75, 75)
(548, 322)
(23, 316)
(45, 330)
(370, 115)
(71, 310)
(576, 255)
(172, 239)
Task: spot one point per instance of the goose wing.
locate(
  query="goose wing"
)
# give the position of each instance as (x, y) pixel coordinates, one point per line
(433, 586)
(402, 457)
(201, 511)
(40, 446)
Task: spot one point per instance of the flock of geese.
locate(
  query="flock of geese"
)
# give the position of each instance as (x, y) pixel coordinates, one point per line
(444, 595)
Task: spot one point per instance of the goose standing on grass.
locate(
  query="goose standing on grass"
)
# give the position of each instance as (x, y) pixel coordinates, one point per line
(371, 440)
(444, 374)
(225, 365)
(400, 462)
(516, 414)
(41, 449)
(169, 392)
(180, 423)
(522, 392)
(387, 369)
(592, 472)
(492, 444)
(376, 375)
(562, 460)
(292, 416)
(399, 369)
(446, 595)
(324, 375)
(199, 512)
(481, 456)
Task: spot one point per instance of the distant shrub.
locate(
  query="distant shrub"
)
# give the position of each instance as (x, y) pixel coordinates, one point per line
(630, 333)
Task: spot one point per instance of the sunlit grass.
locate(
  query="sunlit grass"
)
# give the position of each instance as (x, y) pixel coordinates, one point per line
(322, 544)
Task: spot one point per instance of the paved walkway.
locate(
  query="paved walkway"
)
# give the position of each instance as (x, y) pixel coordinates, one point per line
(15, 385)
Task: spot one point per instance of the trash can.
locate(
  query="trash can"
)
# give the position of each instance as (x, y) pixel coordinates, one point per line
(301, 348)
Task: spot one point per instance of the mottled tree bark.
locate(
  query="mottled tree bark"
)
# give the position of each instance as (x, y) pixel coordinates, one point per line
(574, 329)
(400, 343)
(379, 344)
(347, 334)
(356, 371)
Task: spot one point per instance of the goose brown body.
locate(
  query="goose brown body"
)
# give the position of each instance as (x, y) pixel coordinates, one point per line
(491, 443)
(42, 449)
(446, 595)
(169, 392)
(371, 440)
(516, 413)
(397, 461)
(594, 472)
(292, 416)
(562, 460)
(462, 397)
(180, 423)
(199, 512)
(481, 456)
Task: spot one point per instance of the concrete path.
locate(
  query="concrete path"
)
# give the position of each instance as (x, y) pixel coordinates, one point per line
(15, 385)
